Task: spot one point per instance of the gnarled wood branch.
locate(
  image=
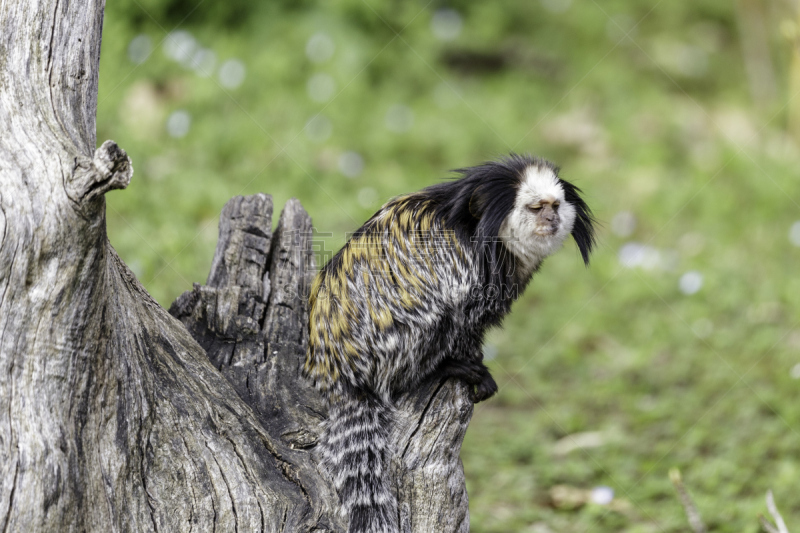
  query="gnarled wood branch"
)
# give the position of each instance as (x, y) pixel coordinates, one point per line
(115, 415)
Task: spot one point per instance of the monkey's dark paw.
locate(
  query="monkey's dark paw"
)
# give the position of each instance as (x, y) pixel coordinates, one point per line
(484, 390)
(471, 372)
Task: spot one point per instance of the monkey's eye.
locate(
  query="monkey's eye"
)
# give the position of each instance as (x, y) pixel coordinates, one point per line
(556, 204)
(535, 208)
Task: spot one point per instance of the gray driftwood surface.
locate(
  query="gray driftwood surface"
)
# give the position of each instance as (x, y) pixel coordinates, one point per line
(116, 415)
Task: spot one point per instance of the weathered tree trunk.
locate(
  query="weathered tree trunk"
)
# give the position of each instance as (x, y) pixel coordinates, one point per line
(114, 415)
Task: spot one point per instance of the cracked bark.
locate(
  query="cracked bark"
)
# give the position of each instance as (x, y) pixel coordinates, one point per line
(116, 415)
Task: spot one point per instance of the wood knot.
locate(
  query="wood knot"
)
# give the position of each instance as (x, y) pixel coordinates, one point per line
(110, 169)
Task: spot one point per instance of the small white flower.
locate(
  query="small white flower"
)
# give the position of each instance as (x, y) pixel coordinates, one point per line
(180, 46)
(139, 49)
(446, 24)
(691, 282)
(321, 87)
(794, 234)
(232, 73)
(351, 164)
(602, 495)
(203, 62)
(320, 48)
(178, 124)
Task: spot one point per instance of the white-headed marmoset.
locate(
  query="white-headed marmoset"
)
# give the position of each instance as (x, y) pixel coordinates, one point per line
(409, 298)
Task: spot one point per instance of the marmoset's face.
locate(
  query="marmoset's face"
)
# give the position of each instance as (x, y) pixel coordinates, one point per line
(541, 218)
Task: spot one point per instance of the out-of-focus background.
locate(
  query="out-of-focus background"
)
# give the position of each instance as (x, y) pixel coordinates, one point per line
(678, 347)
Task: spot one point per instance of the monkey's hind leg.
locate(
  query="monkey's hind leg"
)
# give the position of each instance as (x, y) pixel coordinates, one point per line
(474, 373)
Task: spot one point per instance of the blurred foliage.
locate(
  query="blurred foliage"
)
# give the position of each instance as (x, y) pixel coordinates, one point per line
(646, 105)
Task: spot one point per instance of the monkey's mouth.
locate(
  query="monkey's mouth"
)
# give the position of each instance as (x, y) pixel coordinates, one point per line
(546, 230)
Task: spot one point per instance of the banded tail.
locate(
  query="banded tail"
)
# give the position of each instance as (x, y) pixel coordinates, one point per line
(355, 449)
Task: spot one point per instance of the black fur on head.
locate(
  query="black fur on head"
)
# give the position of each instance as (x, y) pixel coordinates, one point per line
(583, 229)
(483, 197)
(476, 203)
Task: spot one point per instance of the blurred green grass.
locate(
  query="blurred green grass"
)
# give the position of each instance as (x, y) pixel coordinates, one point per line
(644, 105)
